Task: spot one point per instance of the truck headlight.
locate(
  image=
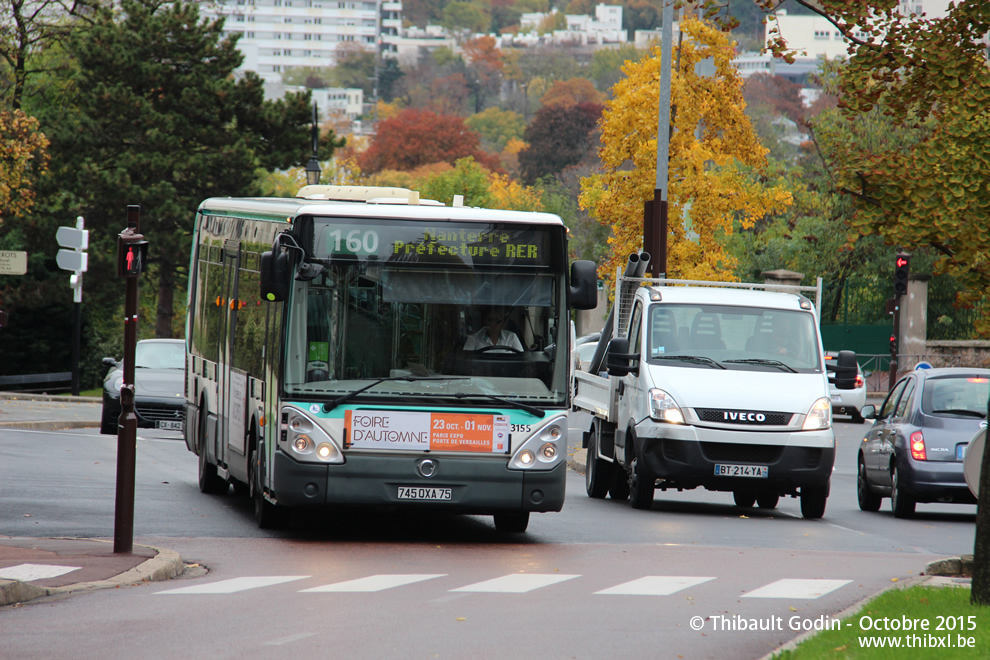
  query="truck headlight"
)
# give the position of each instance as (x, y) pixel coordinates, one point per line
(819, 417)
(664, 408)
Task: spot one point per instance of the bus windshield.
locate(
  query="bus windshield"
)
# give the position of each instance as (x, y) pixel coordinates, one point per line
(478, 303)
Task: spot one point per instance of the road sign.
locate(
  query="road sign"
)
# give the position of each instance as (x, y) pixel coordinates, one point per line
(70, 237)
(13, 263)
(72, 260)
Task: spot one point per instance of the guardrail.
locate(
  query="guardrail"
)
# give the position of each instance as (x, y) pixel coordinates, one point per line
(876, 368)
(52, 382)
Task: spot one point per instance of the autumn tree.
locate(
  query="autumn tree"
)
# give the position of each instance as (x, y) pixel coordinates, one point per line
(484, 69)
(572, 92)
(417, 137)
(496, 127)
(929, 76)
(559, 136)
(709, 189)
(23, 157)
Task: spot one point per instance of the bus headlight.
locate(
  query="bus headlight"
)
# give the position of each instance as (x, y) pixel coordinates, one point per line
(544, 449)
(819, 417)
(306, 440)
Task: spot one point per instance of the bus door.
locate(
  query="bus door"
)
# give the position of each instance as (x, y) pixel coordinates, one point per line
(232, 393)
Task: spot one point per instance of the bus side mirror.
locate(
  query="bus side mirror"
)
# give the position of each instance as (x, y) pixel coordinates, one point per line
(583, 290)
(618, 359)
(844, 369)
(274, 276)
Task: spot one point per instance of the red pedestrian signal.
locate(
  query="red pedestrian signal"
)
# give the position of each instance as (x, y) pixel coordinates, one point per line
(132, 253)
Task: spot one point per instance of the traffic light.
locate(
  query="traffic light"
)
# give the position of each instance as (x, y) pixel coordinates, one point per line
(893, 344)
(901, 273)
(132, 252)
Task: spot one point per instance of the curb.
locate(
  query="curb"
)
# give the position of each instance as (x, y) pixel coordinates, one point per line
(165, 565)
(49, 425)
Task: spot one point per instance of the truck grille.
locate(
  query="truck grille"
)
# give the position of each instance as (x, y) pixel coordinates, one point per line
(743, 417)
(740, 453)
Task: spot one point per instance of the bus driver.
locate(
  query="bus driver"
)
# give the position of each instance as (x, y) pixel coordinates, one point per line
(492, 334)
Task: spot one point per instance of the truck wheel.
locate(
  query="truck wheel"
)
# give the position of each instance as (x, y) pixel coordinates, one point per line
(901, 503)
(767, 500)
(642, 486)
(744, 498)
(618, 482)
(596, 471)
(813, 500)
(868, 500)
(511, 523)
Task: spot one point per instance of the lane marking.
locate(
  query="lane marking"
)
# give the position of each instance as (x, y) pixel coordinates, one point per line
(289, 639)
(374, 583)
(807, 589)
(517, 583)
(234, 585)
(655, 585)
(28, 572)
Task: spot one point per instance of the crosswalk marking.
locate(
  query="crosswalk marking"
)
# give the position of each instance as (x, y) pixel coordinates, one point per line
(28, 572)
(654, 585)
(234, 585)
(807, 589)
(517, 583)
(374, 583)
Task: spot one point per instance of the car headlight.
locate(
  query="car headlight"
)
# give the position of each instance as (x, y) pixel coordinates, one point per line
(116, 383)
(663, 407)
(304, 439)
(819, 417)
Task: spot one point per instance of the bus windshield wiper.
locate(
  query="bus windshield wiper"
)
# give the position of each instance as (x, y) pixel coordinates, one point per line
(769, 363)
(696, 359)
(344, 398)
(532, 410)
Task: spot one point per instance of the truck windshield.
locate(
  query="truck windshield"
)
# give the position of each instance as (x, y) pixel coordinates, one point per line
(736, 337)
(479, 302)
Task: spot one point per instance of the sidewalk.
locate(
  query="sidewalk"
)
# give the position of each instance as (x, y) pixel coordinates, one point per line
(33, 568)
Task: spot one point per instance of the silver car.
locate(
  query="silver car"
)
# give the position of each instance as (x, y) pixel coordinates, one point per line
(848, 402)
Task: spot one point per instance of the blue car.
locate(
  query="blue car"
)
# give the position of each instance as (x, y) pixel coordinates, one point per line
(915, 450)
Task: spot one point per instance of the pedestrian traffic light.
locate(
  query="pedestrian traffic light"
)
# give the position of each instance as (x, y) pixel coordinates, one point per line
(893, 343)
(132, 252)
(901, 274)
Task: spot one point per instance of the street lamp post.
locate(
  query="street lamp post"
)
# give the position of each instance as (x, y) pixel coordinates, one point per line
(313, 166)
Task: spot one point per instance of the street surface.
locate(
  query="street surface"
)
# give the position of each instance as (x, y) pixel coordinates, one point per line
(595, 580)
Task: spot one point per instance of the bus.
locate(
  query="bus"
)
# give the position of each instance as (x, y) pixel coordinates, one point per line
(330, 360)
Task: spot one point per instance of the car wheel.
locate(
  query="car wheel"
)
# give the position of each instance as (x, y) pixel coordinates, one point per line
(642, 486)
(209, 481)
(511, 523)
(868, 500)
(108, 422)
(618, 482)
(744, 498)
(596, 471)
(901, 503)
(767, 500)
(813, 499)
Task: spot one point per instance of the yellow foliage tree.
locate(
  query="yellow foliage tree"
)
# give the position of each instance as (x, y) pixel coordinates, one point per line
(23, 157)
(712, 151)
(509, 194)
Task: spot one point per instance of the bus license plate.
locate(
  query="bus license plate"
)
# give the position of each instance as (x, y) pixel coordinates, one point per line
(422, 493)
(169, 425)
(756, 471)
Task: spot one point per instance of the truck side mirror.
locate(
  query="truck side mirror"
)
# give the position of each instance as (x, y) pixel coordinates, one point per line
(844, 370)
(274, 276)
(583, 290)
(619, 361)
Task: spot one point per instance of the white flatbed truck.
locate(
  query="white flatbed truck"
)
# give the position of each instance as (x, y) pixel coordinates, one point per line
(716, 385)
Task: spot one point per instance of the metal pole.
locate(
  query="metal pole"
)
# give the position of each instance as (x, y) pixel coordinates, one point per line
(76, 340)
(892, 376)
(123, 528)
(655, 211)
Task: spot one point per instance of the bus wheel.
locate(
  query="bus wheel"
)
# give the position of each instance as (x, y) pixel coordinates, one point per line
(209, 481)
(266, 514)
(512, 523)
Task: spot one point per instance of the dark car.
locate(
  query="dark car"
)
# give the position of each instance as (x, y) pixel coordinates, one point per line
(915, 450)
(159, 386)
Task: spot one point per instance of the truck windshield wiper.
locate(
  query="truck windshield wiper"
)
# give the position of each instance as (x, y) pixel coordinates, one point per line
(696, 359)
(769, 363)
(532, 410)
(327, 407)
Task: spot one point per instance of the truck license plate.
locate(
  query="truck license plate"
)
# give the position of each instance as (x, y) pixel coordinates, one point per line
(755, 471)
(169, 425)
(422, 493)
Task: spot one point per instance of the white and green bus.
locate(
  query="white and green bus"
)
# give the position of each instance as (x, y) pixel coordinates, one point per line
(332, 358)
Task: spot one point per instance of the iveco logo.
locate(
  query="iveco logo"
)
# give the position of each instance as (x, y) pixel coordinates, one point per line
(731, 416)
